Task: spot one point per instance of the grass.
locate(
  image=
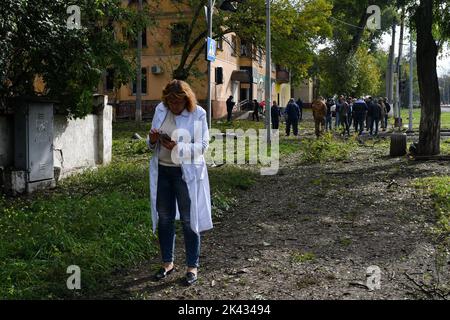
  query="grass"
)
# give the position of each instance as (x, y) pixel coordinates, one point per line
(298, 257)
(445, 147)
(222, 126)
(286, 145)
(445, 119)
(327, 148)
(226, 183)
(98, 220)
(439, 189)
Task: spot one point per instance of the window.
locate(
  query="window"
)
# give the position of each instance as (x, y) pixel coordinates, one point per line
(143, 82)
(260, 55)
(245, 49)
(109, 79)
(178, 34)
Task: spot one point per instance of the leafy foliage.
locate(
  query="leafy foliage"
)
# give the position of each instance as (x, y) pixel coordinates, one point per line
(296, 27)
(347, 65)
(35, 41)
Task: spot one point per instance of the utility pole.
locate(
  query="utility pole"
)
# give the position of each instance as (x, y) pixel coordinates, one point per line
(411, 81)
(268, 90)
(208, 99)
(389, 74)
(391, 66)
(446, 90)
(138, 114)
(398, 120)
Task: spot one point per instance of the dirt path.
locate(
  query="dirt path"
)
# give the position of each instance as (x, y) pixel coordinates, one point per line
(313, 236)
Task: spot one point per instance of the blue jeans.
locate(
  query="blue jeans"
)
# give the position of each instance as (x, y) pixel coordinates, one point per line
(294, 123)
(328, 121)
(374, 123)
(172, 189)
(359, 125)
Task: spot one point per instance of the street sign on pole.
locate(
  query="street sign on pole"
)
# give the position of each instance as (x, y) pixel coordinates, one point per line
(268, 91)
(208, 43)
(211, 49)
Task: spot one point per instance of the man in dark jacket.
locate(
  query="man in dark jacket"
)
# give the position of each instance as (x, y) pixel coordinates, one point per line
(388, 109)
(230, 106)
(255, 110)
(343, 115)
(293, 115)
(375, 120)
(275, 114)
(370, 107)
(359, 110)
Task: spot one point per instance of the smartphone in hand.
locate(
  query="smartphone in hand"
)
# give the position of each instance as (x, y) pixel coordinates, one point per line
(165, 137)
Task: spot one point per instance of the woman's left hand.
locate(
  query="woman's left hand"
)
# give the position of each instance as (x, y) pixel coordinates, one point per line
(168, 144)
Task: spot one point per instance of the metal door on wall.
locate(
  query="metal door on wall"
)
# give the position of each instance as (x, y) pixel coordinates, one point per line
(40, 147)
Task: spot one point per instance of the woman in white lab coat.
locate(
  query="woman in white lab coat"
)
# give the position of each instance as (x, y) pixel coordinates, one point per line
(179, 184)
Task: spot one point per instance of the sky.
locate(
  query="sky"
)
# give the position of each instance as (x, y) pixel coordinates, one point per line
(443, 63)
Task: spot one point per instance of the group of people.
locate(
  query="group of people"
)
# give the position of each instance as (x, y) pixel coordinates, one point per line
(292, 114)
(368, 114)
(363, 113)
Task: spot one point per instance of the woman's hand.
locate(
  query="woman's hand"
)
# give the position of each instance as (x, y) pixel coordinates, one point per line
(168, 144)
(154, 136)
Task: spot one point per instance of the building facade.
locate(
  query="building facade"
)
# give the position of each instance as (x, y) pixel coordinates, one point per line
(239, 69)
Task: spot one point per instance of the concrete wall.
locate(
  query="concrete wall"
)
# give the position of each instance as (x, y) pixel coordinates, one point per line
(78, 144)
(75, 143)
(305, 91)
(283, 93)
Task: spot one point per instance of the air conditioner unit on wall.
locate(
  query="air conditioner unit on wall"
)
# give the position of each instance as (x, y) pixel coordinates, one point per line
(157, 69)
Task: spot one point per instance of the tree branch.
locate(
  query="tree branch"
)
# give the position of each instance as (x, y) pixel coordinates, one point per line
(194, 59)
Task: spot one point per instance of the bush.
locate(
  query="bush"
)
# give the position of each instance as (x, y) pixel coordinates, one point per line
(326, 148)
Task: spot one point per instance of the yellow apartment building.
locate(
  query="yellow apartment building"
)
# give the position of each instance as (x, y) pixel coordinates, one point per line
(239, 69)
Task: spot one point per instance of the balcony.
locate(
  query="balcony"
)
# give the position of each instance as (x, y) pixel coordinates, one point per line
(283, 75)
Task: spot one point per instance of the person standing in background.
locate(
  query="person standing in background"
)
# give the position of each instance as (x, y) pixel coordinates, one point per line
(230, 106)
(276, 114)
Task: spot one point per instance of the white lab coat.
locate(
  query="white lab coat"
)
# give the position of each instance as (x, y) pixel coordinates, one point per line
(195, 174)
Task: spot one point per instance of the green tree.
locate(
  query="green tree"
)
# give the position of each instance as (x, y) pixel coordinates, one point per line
(296, 27)
(340, 64)
(359, 75)
(381, 60)
(35, 41)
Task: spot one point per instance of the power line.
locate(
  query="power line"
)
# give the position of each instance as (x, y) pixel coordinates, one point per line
(349, 24)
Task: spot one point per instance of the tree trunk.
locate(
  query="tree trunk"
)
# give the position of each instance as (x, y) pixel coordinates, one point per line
(427, 50)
